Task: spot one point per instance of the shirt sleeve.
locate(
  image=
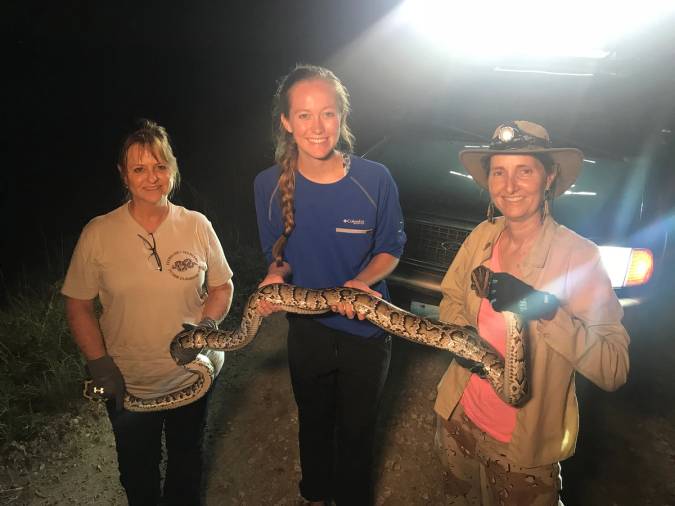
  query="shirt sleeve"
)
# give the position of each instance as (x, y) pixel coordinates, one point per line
(586, 330)
(389, 234)
(83, 276)
(269, 229)
(218, 270)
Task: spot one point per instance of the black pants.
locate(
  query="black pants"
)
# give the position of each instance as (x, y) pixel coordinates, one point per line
(138, 437)
(337, 381)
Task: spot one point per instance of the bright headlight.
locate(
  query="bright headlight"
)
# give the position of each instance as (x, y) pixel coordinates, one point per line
(627, 266)
(455, 26)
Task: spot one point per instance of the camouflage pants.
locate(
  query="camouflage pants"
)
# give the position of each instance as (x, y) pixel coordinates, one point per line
(479, 474)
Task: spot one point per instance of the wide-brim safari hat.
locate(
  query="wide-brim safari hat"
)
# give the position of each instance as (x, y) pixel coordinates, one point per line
(524, 138)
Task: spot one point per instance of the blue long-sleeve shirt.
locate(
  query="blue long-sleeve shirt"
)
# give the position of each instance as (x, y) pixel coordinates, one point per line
(339, 228)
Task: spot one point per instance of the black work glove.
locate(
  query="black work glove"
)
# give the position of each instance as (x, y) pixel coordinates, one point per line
(474, 367)
(508, 293)
(107, 380)
(208, 323)
(182, 355)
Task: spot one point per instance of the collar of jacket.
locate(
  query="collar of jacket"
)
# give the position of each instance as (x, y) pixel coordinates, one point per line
(537, 256)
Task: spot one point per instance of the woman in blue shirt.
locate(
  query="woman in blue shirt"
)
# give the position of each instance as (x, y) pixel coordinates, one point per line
(327, 218)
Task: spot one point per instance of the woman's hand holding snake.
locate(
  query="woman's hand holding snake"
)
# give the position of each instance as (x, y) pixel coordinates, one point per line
(348, 310)
(508, 293)
(265, 308)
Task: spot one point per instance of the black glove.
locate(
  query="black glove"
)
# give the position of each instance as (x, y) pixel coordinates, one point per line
(107, 380)
(182, 355)
(208, 323)
(474, 367)
(508, 293)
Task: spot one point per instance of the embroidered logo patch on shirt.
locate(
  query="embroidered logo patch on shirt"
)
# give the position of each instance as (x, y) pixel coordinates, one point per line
(184, 265)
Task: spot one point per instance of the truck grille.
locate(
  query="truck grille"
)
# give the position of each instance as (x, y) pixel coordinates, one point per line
(432, 244)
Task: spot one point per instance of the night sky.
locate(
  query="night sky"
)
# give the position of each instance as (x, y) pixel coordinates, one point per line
(83, 71)
(79, 73)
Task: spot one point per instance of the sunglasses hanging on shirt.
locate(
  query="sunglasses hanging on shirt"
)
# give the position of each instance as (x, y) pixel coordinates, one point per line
(152, 246)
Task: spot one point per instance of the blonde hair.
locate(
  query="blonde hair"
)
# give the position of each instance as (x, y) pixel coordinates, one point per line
(285, 147)
(155, 139)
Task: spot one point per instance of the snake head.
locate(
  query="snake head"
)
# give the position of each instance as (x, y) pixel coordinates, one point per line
(480, 281)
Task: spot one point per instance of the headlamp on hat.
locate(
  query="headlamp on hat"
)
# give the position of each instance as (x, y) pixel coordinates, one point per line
(506, 133)
(510, 136)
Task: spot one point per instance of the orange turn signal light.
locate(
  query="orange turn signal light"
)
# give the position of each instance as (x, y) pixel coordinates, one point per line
(640, 267)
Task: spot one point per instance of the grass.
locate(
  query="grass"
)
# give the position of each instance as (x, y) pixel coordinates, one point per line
(41, 370)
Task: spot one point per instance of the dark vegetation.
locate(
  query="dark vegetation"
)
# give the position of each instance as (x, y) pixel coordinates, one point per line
(39, 365)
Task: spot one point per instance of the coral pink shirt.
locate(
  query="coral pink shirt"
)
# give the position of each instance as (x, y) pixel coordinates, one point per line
(479, 400)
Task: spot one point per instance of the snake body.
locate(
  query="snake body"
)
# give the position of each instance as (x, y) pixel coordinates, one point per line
(508, 375)
(201, 367)
(515, 388)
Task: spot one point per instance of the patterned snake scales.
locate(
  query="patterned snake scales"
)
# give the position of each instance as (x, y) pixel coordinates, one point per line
(507, 376)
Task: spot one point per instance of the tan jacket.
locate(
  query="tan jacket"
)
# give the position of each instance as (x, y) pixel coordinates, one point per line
(585, 335)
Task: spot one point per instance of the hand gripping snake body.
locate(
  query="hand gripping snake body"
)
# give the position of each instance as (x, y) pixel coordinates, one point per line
(508, 376)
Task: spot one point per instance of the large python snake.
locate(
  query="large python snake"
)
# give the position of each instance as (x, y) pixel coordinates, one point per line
(508, 375)
(201, 366)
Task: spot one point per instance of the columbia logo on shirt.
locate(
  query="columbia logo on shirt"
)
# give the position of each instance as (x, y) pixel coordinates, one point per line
(354, 221)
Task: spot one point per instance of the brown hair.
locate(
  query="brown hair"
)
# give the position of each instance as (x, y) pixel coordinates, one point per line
(153, 137)
(285, 148)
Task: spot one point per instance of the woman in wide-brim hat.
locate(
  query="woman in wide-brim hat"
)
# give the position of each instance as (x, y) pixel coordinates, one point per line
(552, 277)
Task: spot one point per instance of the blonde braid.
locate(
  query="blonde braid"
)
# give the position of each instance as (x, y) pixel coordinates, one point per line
(286, 193)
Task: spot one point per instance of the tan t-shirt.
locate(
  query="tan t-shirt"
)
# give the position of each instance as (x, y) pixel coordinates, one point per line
(144, 308)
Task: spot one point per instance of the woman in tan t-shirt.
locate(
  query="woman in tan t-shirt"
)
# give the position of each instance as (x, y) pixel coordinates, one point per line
(153, 266)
